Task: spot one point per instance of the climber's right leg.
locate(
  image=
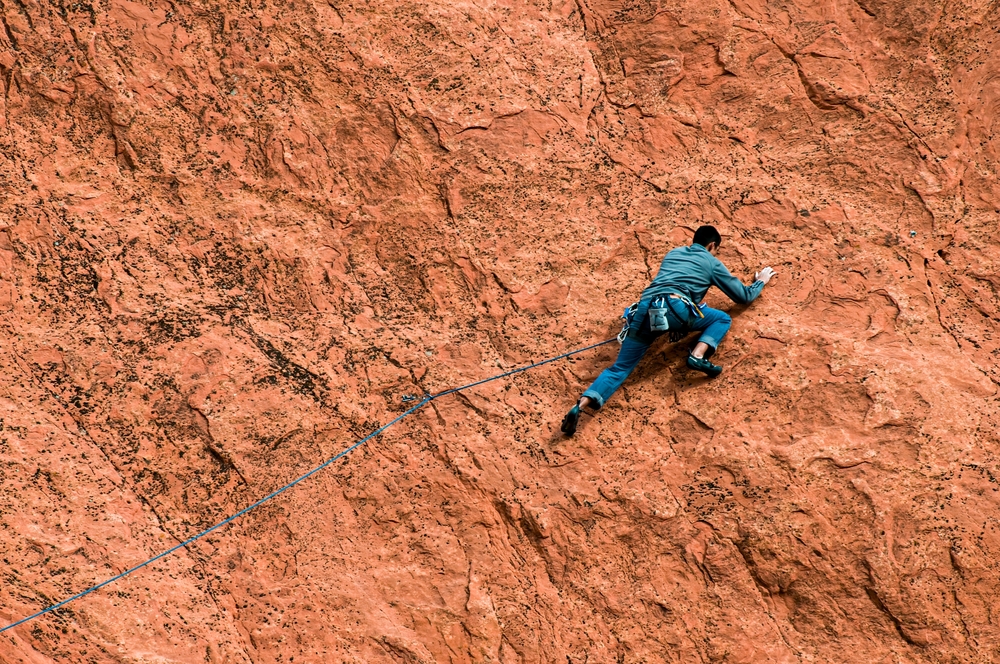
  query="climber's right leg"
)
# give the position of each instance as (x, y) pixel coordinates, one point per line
(713, 328)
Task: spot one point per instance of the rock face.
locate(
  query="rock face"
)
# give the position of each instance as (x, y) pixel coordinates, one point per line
(234, 235)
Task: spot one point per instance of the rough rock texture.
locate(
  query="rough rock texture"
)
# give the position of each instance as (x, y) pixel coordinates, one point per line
(234, 235)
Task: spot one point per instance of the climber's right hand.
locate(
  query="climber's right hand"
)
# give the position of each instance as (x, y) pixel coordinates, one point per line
(765, 275)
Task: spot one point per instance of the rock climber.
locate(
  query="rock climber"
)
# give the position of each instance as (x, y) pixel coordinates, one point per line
(673, 302)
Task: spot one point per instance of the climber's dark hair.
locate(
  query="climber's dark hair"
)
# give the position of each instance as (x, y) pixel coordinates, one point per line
(706, 235)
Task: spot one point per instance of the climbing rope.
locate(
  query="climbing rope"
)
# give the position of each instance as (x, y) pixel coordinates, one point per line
(427, 399)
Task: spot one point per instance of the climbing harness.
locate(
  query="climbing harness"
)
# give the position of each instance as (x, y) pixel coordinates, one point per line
(658, 311)
(678, 334)
(426, 399)
(695, 309)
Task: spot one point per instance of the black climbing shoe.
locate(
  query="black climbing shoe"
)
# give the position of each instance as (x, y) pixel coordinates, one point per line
(569, 422)
(704, 366)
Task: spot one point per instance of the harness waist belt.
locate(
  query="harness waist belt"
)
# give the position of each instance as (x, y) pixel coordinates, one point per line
(696, 309)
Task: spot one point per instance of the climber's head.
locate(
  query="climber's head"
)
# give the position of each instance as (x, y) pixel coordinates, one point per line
(708, 237)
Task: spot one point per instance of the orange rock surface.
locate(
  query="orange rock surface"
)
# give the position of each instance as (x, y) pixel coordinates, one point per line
(234, 235)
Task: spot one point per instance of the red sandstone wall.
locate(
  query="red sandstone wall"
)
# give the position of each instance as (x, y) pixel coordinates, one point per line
(233, 235)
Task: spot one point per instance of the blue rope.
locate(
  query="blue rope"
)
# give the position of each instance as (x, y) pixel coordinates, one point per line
(427, 399)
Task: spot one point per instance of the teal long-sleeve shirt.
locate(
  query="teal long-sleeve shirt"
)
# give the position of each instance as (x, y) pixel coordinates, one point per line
(691, 271)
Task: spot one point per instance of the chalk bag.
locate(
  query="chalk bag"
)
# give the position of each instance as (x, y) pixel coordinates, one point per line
(658, 315)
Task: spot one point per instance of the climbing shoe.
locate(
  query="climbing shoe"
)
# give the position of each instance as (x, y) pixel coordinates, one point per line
(570, 421)
(704, 366)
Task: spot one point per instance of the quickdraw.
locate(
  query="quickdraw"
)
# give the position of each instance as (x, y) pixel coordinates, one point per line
(627, 316)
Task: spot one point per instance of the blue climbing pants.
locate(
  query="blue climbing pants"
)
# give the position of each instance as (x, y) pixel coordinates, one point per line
(713, 328)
